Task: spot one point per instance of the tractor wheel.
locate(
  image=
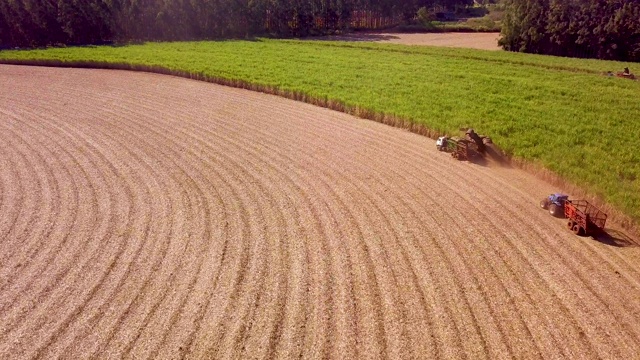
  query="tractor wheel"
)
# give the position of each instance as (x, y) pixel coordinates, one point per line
(577, 229)
(544, 204)
(570, 224)
(553, 209)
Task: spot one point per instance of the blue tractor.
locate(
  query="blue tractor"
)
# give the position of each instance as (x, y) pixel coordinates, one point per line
(555, 204)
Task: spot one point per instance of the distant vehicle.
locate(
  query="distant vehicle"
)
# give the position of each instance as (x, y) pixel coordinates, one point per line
(555, 204)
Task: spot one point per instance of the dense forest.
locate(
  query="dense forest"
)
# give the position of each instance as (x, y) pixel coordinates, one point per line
(604, 29)
(28, 23)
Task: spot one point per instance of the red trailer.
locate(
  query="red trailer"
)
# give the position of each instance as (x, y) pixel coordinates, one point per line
(584, 218)
(461, 151)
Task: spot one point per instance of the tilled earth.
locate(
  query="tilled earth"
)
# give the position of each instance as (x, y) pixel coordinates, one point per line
(150, 216)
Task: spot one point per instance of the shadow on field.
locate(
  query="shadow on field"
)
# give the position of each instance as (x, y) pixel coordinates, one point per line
(616, 238)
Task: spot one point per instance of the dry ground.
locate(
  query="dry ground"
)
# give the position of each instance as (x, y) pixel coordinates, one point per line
(150, 216)
(482, 41)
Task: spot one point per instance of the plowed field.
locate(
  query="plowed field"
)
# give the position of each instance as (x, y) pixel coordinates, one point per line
(150, 216)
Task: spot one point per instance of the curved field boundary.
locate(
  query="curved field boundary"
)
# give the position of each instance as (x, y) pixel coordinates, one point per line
(616, 217)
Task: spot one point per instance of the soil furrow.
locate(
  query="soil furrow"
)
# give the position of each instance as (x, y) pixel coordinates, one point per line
(13, 193)
(276, 151)
(169, 272)
(79, 272)
(26, 238)
(121, 292)
(42, 260)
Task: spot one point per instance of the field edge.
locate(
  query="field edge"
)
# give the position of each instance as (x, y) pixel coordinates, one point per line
(536, 169)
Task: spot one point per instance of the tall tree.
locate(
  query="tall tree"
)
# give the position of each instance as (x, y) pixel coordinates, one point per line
(48, 22)
(85, 21)
(606, 29)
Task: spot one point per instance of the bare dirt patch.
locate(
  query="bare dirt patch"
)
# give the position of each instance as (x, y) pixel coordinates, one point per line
(481, 41)
(150, 216)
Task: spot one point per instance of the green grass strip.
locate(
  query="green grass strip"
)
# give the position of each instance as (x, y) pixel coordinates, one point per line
(557, 112)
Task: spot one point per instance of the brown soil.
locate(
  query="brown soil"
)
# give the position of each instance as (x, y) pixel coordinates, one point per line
(482, 41)
(151, 216)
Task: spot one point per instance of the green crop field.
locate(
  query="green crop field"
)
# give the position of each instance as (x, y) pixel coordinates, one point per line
(561, 113)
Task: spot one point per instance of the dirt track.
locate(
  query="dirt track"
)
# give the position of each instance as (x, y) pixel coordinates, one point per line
(157, 217)
(481, 41)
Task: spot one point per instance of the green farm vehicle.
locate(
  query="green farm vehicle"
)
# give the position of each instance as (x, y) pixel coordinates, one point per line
(464, 149)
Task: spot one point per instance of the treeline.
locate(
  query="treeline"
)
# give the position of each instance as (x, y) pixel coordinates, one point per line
(603, 29)
(30, 23)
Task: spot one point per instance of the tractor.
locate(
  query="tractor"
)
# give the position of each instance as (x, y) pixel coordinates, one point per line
(555, 204)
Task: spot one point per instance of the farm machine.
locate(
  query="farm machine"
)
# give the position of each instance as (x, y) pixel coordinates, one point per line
(459, 148)
(464, 149)
(555, 204)
(583, 218)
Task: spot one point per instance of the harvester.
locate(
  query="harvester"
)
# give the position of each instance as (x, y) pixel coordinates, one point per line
(464, 149)
(477, 139)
